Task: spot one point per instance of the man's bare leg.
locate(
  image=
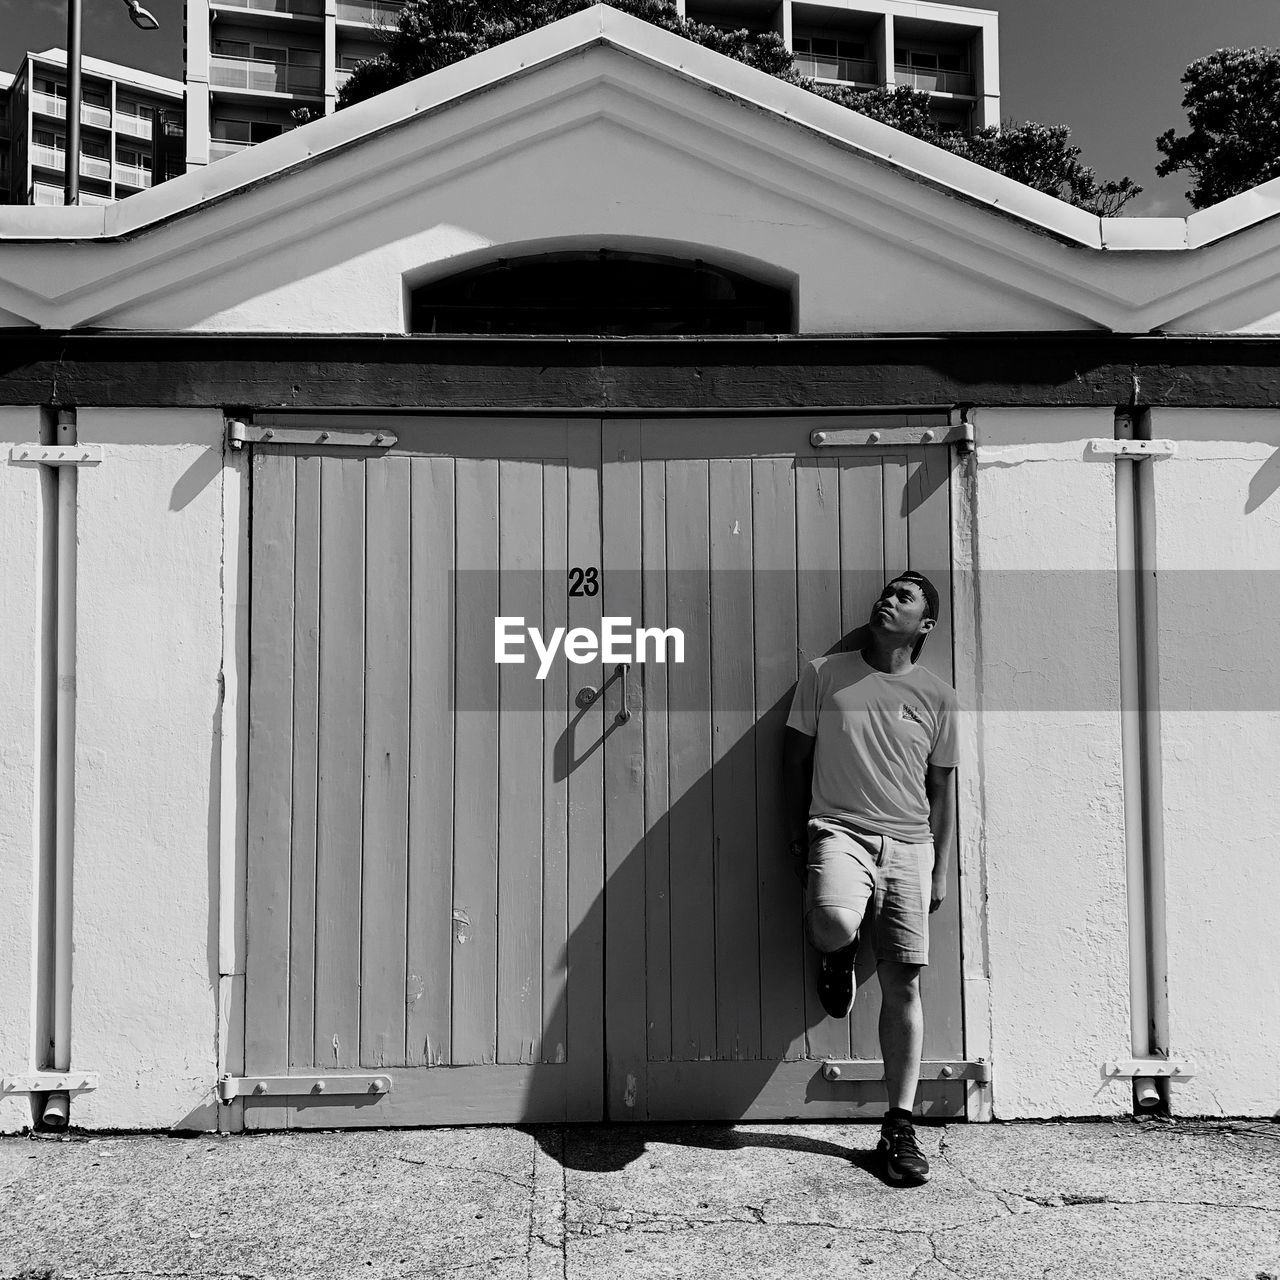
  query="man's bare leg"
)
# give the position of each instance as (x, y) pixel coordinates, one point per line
(831, 928)
(901, 1030)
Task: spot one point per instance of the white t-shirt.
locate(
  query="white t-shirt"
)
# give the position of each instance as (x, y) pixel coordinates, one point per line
(875, 734)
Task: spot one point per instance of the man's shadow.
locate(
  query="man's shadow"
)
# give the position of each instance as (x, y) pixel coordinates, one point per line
(715, 859)
(610, 1148)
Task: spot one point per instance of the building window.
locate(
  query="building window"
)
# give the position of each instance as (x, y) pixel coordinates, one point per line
(931, 59)
(828, 47)
(603, 293)
(828, 57)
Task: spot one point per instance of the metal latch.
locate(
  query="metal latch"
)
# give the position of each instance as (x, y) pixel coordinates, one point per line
(50, 1082)
(331, 1086)
(1142, 1068)
(873, 436)
(56, 455)
(854, 1070)
(240, 434)
(1108, 448)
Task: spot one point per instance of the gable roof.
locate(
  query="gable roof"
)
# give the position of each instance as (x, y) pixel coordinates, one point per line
(1054, 265)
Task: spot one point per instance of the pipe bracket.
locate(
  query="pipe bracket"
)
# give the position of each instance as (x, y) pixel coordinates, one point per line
(1148, 1068)
(55, 455)
(1105, 447)
(50, 1082)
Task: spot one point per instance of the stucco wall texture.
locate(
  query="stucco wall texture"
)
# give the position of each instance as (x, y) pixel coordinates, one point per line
(1050, 741)
(148, 655)
(1218, 548)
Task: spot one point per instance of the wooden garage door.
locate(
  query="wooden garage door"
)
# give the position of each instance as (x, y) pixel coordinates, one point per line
(516, 907)
(425, 866)
(766, 552)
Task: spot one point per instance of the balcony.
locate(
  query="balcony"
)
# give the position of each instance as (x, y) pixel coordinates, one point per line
(51, 105)
(847, 70)
(375, 13)
(929, 81)
(131, 175)
(263, 77)
(221, 148)
(134, 126)
(289, 8)
(56, 158)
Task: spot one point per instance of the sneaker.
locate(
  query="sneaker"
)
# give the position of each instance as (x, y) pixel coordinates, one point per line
(835, 980)
(903, 1159)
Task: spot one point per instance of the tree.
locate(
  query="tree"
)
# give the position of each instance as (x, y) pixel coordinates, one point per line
(431, 34)
(1041, 156)
(1233, 109)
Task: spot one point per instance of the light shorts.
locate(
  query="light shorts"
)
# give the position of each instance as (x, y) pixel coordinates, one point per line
(886, 881)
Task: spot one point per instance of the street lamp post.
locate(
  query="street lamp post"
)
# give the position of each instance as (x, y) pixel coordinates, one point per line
(71, 171)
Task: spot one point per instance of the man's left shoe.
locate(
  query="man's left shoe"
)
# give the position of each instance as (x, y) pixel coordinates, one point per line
(904, 1161)
(835, 980)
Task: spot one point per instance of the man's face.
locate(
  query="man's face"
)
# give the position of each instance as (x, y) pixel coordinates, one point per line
(899, 613)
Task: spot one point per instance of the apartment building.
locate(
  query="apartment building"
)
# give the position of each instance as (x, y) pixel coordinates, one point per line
(130, 130)
(251, 63)
(948, 51)
(6, 81)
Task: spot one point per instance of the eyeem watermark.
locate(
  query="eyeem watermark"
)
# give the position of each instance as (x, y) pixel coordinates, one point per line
(618, 641)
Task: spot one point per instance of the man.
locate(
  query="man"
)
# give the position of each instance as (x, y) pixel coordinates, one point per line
(870, 758)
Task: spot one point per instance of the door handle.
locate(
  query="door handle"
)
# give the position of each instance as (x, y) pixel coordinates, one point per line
(624, 713)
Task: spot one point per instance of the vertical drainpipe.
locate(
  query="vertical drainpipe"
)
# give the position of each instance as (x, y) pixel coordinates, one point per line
(58, 1105)
(1152, 762)
(1140, 739)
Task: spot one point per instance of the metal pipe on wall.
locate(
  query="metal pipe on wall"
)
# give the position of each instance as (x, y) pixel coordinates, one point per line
(57, 1105)
(1131, 747)
(1140, 745)
(1152, 767)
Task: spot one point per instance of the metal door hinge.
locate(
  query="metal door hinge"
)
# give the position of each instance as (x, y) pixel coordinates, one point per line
(1142, 1068)
(50, 1082)
(56, 455)
(1107, 448)
(932, 429)
(857, 1070)
(240, 434)
(330, 1086)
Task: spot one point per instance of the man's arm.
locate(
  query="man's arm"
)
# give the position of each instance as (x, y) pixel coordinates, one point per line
(797, 778)
(940, 787)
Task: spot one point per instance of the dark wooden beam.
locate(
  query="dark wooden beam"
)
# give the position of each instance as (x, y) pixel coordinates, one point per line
(601, 375)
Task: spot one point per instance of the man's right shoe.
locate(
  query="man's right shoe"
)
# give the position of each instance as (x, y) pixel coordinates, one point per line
(903, 1160)
(835, 980)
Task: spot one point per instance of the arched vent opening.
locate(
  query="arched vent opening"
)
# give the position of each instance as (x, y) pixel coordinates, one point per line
(606, 293)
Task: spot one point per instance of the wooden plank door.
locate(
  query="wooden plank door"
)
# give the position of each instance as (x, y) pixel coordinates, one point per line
(425, 867)
(766, 553)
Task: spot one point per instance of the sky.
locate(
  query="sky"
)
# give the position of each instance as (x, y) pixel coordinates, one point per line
(1110, 69)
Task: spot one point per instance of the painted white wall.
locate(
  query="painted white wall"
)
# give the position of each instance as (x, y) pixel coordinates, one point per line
(148, 654)
(597, 161)
(1050, 743)
(1218, 548)
(21, 532)
(882, 232)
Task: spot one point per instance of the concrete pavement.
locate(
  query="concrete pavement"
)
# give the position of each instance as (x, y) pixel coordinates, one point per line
(1152, 1199)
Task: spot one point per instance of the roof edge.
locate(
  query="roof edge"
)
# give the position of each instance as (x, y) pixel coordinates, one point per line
(602, 24)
